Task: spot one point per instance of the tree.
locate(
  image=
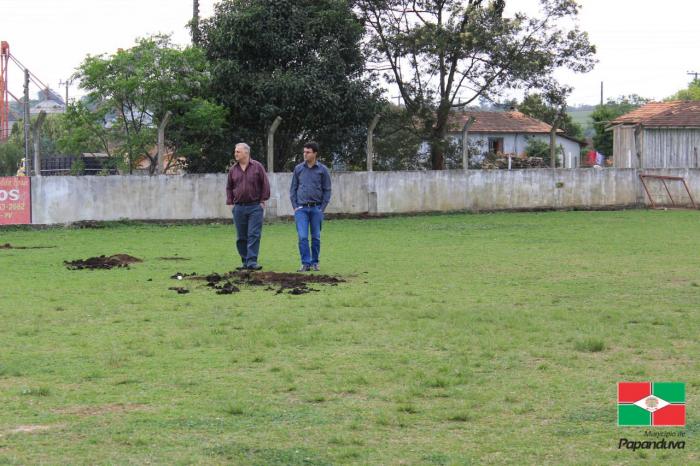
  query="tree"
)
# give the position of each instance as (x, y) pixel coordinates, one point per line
(443, 54)
(604, 114)
(83, 130)
(300, 60)
(10, 154)
(692, 92)
(535, 106)
(140, 85)
(396, 141)
(539, 148)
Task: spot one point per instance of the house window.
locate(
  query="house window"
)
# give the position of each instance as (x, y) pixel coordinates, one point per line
(495, 145)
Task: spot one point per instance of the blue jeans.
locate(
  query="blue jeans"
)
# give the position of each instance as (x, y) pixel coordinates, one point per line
(248, 220)
(305, 218)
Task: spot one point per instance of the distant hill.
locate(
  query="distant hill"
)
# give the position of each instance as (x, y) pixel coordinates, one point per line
(582, 116)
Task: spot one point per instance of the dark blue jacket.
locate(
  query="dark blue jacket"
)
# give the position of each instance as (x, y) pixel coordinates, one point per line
(310, 185)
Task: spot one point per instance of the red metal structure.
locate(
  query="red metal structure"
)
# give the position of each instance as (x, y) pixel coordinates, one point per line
(4, 93)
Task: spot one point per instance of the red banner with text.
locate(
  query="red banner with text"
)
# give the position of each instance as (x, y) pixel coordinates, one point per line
(15, 200)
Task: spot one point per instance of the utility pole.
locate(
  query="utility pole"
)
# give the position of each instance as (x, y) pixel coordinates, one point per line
(27, 162)
(66, 83)
(465, 142)
(36, 138)
(694, 73)
(195, 22)
(601, 93)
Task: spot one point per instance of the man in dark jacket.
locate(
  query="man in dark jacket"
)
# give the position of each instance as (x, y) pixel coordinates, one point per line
(310, 194)
(247, 189)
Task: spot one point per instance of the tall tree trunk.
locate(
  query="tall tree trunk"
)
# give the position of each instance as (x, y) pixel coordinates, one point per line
(438, 142)
(437, 151)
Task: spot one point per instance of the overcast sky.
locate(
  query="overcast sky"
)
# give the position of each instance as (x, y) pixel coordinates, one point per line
(644, 47)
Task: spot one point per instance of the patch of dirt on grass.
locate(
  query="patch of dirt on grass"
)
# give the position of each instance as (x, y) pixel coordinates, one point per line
(31, 429)
(179, 289)
(9, 246)
(99, 410)
(92, 224)
(102, 262)
(292, 283)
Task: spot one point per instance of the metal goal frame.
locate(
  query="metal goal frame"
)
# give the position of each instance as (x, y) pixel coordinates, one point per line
(663, 179)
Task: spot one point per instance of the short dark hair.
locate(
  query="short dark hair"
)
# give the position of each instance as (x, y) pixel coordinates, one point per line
(311, 145)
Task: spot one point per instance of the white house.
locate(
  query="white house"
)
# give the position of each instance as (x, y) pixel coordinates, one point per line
(509, 133)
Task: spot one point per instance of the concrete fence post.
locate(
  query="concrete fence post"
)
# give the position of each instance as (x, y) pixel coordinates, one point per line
(553, 146)
(370, 142)
(36, 138)
(160, 156)
(465, 142)
(271, 144)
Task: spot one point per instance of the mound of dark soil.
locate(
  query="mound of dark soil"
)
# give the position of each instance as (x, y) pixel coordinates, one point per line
(179, 289)
(292, 283)
(102, 262)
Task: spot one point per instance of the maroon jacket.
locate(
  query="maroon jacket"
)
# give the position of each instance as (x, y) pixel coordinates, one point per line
(247, 186)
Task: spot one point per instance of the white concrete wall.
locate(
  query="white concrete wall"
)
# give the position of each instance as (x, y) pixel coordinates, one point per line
(69, 199)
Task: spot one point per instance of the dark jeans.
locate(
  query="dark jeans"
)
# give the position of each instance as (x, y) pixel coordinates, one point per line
(248, 220)
(309, 217)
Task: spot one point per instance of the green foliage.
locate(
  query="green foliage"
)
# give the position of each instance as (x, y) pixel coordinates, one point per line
(692, 92)
(300, 60)
(10, 155)
(198, 131)
(137, 86)
(396, 141)
(535, 106)
(450, 53)
(83, 130)
(604, 114)
(537, 147)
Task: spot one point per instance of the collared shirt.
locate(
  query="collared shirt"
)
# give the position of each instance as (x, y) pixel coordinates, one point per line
(310, 185)
(247, 186)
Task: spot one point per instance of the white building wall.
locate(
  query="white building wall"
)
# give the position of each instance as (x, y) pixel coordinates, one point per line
(515, 143)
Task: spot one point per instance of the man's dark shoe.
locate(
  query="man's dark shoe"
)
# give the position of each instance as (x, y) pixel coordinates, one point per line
(254, 267)
(242, 267)
(304, 268)
(315, 268)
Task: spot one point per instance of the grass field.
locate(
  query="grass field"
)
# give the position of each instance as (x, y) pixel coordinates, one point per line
(457, 339)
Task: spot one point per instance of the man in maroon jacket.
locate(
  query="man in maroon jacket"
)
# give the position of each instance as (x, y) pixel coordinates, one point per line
(247, 189)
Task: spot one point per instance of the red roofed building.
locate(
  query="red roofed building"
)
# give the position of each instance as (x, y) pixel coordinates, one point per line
(658, 135)
(509, 133)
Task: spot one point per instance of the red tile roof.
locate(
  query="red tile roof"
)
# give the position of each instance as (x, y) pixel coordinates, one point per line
(663, 114)
(499, 122)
